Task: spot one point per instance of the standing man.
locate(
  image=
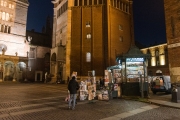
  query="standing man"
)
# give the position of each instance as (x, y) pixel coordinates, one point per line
(73, 86)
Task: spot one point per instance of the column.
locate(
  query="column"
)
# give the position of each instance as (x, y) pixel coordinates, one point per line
(161, 55)
(87, 2)
(127, 8)
(122, 6)
(1, 71)
(15, 75)
(82, 2)
(116, 4)
(153, 58)
(77, 2)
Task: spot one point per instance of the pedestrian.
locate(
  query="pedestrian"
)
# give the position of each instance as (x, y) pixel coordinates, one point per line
(73, 87)
(101, 83)
(45, 77)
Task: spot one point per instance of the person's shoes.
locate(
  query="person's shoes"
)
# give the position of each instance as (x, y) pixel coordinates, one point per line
(69, 108)
(73, 108)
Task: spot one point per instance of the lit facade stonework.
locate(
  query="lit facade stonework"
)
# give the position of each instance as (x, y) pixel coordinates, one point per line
(89, 34)
(24, 55)
(13, 45)
(172, 19)
(159, 59)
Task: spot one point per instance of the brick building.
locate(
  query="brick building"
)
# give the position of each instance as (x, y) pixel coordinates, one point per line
(172, 19)
(89, 34)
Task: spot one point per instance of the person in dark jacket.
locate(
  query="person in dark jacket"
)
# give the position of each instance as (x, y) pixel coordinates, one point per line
(73, 86)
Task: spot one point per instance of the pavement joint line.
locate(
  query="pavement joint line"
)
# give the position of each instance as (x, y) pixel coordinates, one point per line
(26, 106)
(132, 112)
(34, 109)
(48, 98)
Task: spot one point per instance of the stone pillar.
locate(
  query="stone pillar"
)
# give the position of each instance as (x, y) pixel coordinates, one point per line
(78, 3)
(122, 6)
(87, 2)
(15, 75)
(161, 55)
(153, 58)
(1, 71)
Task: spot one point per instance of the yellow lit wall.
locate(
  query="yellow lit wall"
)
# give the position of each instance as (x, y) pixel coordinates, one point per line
(162, 59)
(153, 61)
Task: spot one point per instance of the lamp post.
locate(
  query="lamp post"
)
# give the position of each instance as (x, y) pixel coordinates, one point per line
(142, 85)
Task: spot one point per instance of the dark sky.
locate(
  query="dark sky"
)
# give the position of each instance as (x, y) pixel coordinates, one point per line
(149, 22)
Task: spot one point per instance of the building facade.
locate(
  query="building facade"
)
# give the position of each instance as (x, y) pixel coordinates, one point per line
(89, 34)
(172, 20)
(24, 55)
(158, 63)
(13, 46)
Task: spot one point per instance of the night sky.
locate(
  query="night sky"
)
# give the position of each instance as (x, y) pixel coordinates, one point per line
(149, 24)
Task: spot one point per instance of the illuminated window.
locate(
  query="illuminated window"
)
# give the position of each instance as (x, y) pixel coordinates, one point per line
(88, 57)
(5, 3)
(12, 7)
(88, 36)
(9, 5)
(32, 53)
(7, 16)
(3, 16)
(2, 2)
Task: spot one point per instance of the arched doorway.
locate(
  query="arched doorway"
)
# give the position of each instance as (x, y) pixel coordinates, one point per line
(53, 63)
(9, 71)
(21, 71)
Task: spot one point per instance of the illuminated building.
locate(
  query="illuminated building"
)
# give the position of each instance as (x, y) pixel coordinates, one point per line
(172, 20)
(21, 58)
(89, 34)
(158, 63)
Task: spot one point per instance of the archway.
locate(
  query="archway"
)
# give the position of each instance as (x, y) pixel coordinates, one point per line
(9, 71)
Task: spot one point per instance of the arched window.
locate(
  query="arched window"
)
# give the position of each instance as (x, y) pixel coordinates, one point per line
(7, 16)
(2, 3)
(88, 57)
(12, 7)
(88, 36)
(3, 16)
(9, 5)
(5, 4)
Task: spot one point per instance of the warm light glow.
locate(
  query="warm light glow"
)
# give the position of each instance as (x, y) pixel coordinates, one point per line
(162, 60)
(153, 61)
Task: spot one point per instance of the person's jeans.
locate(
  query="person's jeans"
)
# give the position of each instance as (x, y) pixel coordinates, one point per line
(72, 98)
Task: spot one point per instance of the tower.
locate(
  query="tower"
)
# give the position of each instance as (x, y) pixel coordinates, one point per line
(89, 34)
(172, 20)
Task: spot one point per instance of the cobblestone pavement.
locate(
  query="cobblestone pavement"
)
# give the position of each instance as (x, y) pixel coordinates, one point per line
(32, 101)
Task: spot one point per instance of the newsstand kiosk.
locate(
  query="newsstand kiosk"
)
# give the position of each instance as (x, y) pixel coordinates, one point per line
(134, 72)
